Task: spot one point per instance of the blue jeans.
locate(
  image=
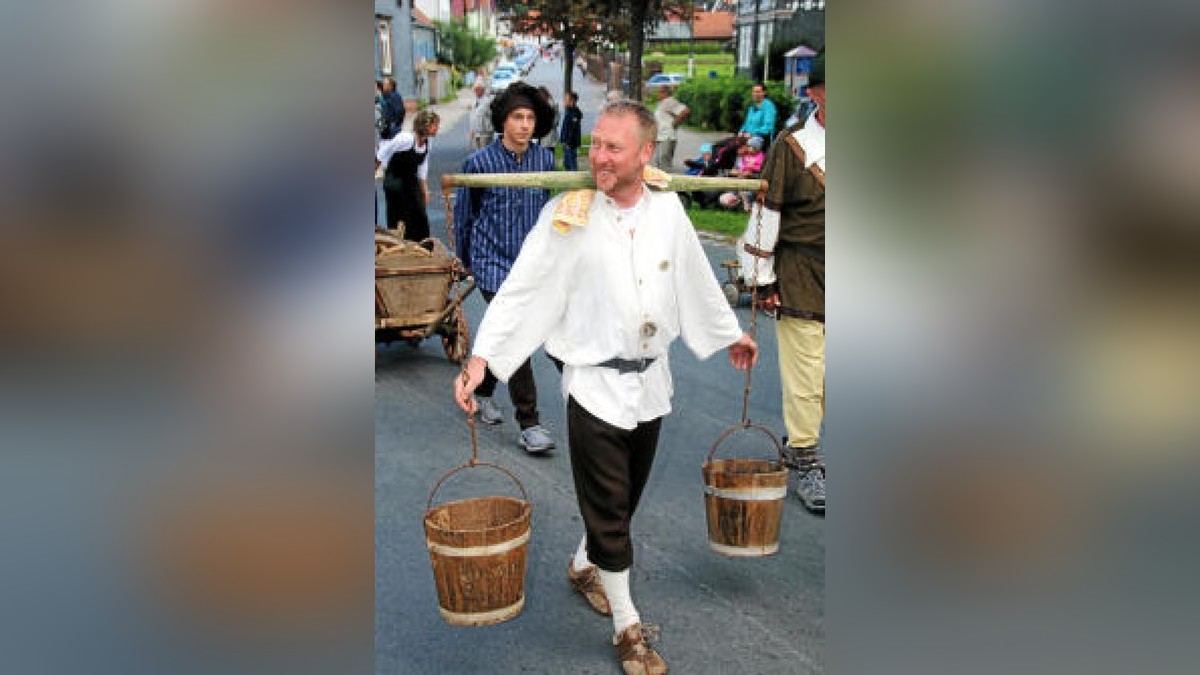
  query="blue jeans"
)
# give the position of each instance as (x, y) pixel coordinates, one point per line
(570, 159)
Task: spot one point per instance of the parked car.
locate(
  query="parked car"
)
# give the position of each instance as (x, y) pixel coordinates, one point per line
(503, 76)
(526, 59)
(664, 79)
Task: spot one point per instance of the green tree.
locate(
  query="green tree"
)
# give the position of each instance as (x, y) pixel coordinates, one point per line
(594, 23)
(577, 24)
(635, 18)
(461, 46)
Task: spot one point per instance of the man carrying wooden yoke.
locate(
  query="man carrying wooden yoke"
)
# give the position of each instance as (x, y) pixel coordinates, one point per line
(606, 281)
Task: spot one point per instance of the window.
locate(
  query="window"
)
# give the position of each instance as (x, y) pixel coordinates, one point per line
(383, 40)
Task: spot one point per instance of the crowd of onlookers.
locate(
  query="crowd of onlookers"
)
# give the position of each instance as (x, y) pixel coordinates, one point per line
(401, 157)
(738, 156)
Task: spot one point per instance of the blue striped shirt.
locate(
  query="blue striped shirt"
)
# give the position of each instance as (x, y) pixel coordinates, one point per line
(490, 224)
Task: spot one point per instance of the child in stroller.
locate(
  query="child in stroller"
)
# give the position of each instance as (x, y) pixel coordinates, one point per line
(723, 156)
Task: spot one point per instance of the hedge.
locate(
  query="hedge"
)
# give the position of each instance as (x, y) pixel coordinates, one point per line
(721, 103)
(682, 48)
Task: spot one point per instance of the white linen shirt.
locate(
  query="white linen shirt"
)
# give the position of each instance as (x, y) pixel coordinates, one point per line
(811, 138)
(595, 293)
(402, 141)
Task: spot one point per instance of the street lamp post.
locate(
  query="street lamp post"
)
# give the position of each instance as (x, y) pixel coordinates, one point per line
(767, 51)
(754, 36)
(691, 43)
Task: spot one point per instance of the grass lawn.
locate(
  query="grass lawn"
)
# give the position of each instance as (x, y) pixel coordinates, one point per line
(719, 221)
(677, 63)
(581, 153)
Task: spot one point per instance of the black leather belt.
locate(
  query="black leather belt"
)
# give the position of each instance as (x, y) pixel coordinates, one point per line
(627, 365)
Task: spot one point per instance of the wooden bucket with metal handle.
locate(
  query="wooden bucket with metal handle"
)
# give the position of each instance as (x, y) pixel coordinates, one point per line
(743, 500)
(478, 548)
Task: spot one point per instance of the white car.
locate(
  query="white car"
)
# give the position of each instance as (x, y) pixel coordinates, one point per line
(663, 79)
(502, 77)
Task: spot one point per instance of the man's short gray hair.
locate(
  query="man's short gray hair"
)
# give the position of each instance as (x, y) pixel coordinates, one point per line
(641, 113)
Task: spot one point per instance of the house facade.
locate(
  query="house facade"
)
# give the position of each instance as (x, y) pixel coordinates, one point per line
(480, 15)
(406, 42)
(712, 27)
(760, 22)
(393, 45)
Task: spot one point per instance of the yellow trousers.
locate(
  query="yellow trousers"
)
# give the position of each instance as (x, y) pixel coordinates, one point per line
(802, 373)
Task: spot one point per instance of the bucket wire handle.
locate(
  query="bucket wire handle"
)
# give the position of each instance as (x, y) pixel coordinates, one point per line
(470, 417)
(761, 199)
(738, 427)
(471, 465)
(474, 461)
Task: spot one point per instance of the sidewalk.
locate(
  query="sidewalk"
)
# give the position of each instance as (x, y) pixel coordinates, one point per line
(450, 112)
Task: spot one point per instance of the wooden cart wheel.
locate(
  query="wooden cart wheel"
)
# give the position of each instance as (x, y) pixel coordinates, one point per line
(455, 341)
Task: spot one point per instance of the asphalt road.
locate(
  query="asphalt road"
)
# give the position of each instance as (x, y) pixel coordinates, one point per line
(717, 614)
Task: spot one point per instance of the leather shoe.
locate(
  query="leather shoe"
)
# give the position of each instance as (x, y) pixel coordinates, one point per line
(588, 584)
(636, 655)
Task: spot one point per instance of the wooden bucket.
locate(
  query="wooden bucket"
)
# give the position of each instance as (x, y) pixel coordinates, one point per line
(478, 548)
(743, 500)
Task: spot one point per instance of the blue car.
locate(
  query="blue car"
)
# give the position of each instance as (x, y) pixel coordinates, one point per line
(525, 60)
(502, 77)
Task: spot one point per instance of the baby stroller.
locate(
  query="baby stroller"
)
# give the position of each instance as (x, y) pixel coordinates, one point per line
(724, 156)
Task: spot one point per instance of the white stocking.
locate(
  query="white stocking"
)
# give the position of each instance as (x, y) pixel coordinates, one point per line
(581, 560)
(616, 587)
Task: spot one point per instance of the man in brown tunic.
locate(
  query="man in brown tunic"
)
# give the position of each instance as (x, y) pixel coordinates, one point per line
(795, 170)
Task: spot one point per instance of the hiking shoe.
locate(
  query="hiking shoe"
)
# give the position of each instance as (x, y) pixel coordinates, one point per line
(810, 488)
(588, 584)
(635, 653)
(536, 439)
(489, 412)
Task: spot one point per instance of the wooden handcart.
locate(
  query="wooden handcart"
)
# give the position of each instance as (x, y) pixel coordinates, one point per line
(419, 291)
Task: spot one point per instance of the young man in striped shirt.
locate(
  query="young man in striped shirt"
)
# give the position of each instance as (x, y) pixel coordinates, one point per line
(490, 226)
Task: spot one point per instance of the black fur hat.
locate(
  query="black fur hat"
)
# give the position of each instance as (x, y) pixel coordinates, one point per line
(522, 95)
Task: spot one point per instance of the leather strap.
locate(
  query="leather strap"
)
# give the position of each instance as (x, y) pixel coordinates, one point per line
(624, 366)
(756, 252)
(813, 168)
(800, 314)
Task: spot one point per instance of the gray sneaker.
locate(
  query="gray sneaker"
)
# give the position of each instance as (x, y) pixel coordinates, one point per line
(810, 488)
(536, 439)
(489, 412)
